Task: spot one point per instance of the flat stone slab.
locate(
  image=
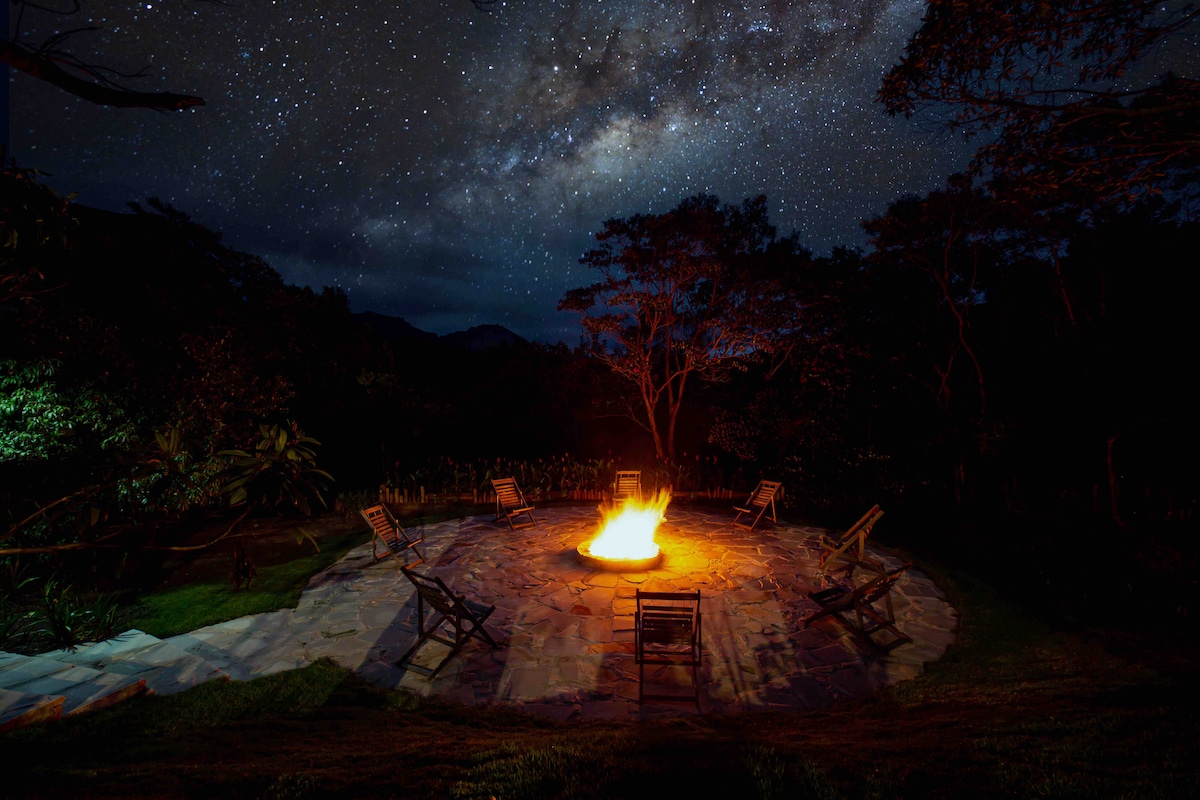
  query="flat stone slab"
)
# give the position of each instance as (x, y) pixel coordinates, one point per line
(165, 668)
(565, 631)
(82, 688)
(19, 708)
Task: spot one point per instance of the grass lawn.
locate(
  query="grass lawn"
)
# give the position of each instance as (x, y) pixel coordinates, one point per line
(185, 608)
(1016, 708)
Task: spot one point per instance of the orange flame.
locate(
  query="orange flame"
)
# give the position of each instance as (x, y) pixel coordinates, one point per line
(627, 530)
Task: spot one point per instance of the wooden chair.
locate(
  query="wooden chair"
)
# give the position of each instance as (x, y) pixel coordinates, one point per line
(667, 631)
(628, 485)
(392, 536)
(441, 612)
(510, 503)
(762, 498)
(859, 609)
(840, 546)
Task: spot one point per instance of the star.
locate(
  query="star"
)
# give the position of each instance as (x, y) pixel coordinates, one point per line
(449, 166)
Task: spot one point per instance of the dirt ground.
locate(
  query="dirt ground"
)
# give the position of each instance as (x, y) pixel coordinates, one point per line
(266, 542)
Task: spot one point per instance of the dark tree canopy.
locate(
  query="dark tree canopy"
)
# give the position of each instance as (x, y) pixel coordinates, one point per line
(1075, 93)
(682, 295)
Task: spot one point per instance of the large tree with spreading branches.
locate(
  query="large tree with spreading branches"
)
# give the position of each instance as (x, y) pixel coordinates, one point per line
(682, 295)
(1099, 96)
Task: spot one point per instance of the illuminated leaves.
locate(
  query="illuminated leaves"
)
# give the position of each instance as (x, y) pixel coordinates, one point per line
(677, 298)
(1067, 95)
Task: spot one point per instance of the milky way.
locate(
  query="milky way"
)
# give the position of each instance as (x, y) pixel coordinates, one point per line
(450, 166)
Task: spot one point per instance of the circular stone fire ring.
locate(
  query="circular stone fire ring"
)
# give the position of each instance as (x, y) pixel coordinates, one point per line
(617, 564)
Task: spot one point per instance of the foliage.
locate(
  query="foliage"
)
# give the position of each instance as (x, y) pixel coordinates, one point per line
(944, 244)
(560, 475)
(18, 622)
(34, 220)
(70, 621)
(54, 615)
(39, 420)
(280, 474)
(1072, 90)
(681, 296)
(117, 395)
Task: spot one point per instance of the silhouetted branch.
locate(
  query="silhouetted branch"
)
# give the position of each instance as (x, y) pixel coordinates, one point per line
(43, 67)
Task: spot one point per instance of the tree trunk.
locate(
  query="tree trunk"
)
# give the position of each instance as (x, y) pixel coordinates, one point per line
(1113, 505)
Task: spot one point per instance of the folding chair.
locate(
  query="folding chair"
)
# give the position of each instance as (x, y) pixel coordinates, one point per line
(762, 498)
(438, 609)
(835, 547)
(667, 631)
(510, 503)
(392, 536)
(858, 609)
(628, 485)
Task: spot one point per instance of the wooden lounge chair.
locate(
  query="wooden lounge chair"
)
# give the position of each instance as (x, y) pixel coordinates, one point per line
(865, 610)
(392, 536)
(628, 485)
(762, 498)
(667, 631)
(510, 503)
(833, 548)
(440, 613)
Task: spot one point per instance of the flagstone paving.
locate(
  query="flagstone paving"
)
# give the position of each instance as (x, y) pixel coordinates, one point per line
(566, 632)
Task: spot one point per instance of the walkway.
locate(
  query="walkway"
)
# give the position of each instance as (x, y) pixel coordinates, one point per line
(566, 632)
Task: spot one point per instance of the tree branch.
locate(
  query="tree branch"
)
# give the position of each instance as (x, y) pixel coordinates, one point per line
(44, 68)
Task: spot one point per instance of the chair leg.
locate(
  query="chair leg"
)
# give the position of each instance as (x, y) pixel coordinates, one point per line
(423, 632)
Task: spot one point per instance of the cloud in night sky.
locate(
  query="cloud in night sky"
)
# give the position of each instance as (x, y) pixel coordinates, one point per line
(450, 166)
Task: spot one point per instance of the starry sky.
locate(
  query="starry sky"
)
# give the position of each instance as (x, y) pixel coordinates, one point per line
(450, 166)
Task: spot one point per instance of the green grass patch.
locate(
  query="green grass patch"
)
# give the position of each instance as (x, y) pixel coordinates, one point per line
(185, 608)
(1016, 708)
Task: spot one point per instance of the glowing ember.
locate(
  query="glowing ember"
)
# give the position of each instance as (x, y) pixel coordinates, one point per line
(627, 532)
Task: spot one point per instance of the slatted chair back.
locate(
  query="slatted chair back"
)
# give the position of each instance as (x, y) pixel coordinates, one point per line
(761, 499)
(434, 592)
(511, 505)
(628, 484)
(874, 623)
(667, 631)
(445, 617)
(839, 547)
(391, 535)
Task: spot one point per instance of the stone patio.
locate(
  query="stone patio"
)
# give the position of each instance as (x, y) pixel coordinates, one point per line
(566, 631)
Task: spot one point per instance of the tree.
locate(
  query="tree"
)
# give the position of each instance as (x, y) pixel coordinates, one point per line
(280, 474)
(949, 238)
(1064, 88)
(682, 294)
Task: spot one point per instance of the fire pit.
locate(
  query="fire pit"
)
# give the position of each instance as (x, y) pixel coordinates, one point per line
(625, 542)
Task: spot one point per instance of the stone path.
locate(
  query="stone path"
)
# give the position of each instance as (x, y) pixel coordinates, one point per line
(565, 631)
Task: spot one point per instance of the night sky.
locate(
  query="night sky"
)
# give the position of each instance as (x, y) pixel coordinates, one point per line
(450, 166)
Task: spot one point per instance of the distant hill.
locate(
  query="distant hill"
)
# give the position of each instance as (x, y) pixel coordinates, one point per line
(482, 337)
(478, 338)
(394, 329)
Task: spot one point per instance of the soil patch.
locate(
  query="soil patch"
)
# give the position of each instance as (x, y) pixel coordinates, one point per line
(266, 542)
